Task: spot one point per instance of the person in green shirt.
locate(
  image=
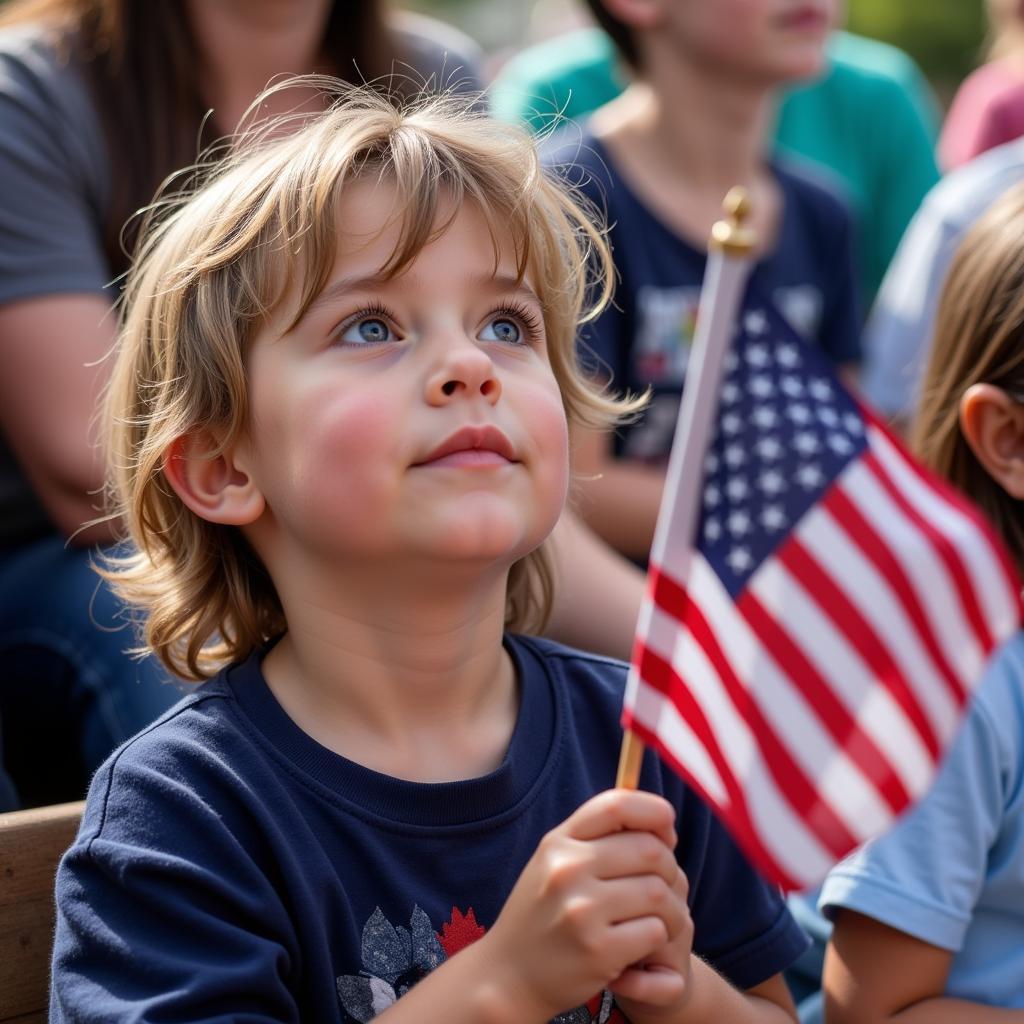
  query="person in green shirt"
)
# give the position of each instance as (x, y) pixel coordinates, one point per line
(870, 121)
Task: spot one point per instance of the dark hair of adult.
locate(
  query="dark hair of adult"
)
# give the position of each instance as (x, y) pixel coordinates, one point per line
(621, 34)
(140, 57)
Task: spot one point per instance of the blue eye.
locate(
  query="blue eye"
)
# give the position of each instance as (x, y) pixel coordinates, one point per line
(370, 330)
(501, 328)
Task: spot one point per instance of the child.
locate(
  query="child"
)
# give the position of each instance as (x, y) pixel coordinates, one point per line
(870, 118)
(929, 919)
(988, 108)
(338, 426)
(659, 159)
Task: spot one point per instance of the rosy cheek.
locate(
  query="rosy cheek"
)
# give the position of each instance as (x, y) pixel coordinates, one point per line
(344, 458)
(358, 420)
(342, 438)
(549, 427)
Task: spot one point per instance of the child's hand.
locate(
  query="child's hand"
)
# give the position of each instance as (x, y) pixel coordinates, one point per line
(658, 988)
(603, 891)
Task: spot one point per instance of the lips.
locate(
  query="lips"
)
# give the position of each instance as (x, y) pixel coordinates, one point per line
(805, 18)
(472, 446)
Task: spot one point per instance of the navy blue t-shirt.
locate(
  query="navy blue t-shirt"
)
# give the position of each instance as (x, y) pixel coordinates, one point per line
(643, 339)
(229, 867)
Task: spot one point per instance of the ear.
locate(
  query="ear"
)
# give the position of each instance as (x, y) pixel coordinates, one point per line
(216, 487)
(993, 425)
(640, 14)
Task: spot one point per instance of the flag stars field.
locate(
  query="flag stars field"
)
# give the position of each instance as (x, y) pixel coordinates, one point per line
(811, 431)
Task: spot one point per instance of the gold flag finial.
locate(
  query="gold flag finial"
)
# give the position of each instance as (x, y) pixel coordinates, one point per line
(731, 236)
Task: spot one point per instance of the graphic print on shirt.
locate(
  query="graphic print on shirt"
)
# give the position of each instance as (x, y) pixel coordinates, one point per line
(394, 958)
(666, 320)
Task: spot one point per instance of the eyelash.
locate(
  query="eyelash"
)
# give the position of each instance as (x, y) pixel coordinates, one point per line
(522, 314)
(525, 316)
(374, 311)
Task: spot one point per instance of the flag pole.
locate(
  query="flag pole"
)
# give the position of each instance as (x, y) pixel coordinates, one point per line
(730, 247)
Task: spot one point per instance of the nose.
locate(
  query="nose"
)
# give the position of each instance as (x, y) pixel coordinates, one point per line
(464, 371)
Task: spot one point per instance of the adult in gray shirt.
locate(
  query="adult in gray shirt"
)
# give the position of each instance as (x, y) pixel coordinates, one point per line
(100, 101)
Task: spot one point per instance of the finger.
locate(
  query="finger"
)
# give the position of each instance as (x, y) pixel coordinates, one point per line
(633, 941)
(681, 884)
(617, 810)
(655, 985)
(634, 853)
(638, 896)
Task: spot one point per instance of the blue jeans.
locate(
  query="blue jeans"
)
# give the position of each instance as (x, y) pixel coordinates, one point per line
(69, 694)
(8, 794)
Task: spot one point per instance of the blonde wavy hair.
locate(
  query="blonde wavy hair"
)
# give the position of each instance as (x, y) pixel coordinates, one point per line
(215, 264)
(979, 339)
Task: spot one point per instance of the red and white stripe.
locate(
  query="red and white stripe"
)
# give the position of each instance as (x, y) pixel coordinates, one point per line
(812, 710)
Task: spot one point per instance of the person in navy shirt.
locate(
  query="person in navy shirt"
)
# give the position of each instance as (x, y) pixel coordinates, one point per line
(338, 419)
(655, 163)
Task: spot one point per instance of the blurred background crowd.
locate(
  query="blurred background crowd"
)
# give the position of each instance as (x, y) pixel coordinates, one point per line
(868, 155)
(944, 37)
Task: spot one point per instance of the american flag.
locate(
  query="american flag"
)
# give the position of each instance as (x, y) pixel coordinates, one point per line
(808, 663)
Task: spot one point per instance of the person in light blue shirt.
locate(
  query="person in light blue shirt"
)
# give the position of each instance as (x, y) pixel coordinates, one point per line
(899, 331)
(951, 873)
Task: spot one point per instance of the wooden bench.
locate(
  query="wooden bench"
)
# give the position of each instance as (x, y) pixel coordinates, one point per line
(31, 844)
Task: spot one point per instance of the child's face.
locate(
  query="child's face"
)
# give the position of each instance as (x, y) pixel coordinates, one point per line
(771, 41)
(409, 419)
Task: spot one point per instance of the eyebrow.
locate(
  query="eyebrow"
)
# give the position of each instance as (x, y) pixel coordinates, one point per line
(344, 285)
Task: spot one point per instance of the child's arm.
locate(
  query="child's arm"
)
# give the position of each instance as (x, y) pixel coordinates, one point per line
(598, 593)
(712, 1000)
(875, 974)
(617, 498)
(62, 340)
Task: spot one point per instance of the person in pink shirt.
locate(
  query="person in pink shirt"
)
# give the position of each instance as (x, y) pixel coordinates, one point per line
(988, 108)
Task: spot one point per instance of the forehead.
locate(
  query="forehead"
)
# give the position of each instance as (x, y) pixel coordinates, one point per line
(373, 222)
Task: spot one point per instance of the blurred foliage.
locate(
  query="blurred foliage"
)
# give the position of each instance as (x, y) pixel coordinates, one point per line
(946, 37)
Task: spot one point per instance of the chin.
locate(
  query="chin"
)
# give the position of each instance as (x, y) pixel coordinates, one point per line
(490, 545)
(496, 536)
(807, 62)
